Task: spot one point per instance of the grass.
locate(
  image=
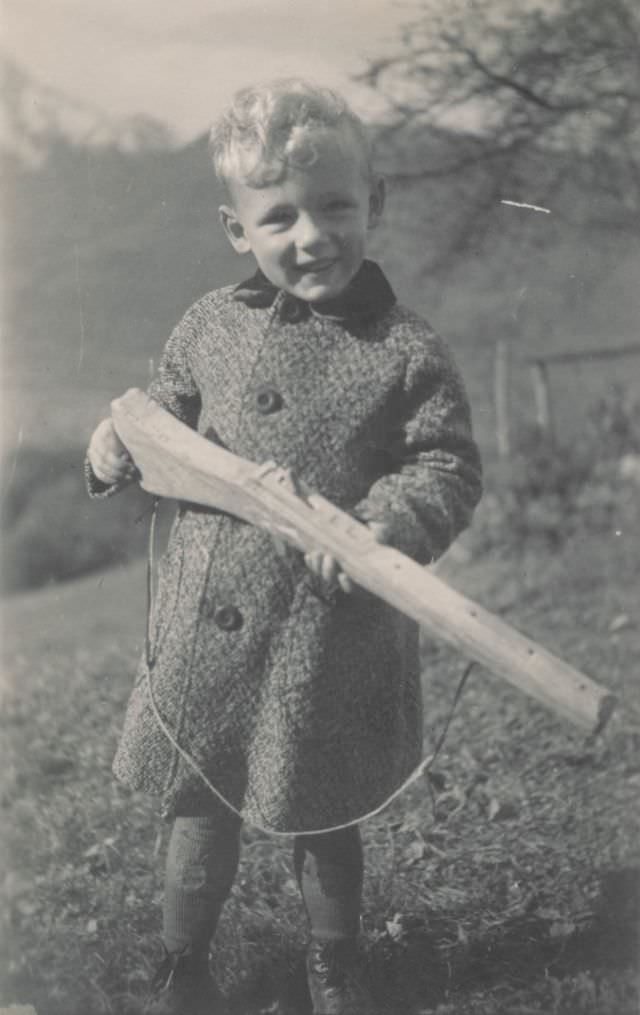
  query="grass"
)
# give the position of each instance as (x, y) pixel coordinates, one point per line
(505, 882)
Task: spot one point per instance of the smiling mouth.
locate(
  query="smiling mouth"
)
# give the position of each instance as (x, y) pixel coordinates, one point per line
(316, 267)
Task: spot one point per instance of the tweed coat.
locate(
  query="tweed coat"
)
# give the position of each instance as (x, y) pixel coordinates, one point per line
(300, 703)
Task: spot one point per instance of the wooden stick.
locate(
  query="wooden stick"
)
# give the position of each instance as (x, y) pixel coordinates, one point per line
(175, 461)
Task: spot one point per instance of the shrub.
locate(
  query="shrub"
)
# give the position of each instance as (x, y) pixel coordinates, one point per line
(546, 493)
(52, 531)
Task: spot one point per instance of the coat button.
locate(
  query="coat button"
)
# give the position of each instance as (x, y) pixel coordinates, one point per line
(228, 618)
(292, 310)
(268, 400)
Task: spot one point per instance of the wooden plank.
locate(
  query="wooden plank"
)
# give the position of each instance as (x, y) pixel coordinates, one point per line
(577, 356)
(176, 462)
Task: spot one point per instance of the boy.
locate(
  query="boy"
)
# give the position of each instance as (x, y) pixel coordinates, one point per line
(297, 696)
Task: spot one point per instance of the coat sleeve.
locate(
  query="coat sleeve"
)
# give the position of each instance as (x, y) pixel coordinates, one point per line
(173, 387)
(435, 481)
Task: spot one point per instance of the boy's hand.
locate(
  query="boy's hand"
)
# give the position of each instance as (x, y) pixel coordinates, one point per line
(327, 567)
(110, 460)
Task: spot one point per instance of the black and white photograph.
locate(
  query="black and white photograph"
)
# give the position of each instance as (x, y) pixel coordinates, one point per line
(320, 466)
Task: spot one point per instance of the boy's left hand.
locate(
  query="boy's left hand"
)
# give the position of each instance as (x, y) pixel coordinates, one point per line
(327, 567)
(324, 565)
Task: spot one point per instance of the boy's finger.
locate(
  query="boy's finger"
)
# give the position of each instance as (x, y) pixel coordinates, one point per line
(97, 460)
(329, 568)
(313, 560)
(100, 474)
(380, 531)
(109, 468)
(114, 463)
(345, 583)
(104, 429)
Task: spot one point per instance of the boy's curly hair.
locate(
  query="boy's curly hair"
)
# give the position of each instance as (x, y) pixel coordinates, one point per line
(270, 126)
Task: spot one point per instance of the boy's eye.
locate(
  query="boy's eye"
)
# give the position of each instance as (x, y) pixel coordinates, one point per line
(339, 204)
(278, 216)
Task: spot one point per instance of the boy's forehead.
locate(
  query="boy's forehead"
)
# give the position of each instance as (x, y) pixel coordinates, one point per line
(341, 143)
(333, 155)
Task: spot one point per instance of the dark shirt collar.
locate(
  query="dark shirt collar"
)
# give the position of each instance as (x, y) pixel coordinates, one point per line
(367, 296)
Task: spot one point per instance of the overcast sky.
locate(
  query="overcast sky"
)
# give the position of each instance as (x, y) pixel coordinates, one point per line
(179, 61)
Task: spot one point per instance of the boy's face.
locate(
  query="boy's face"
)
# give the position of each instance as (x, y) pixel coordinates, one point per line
(307, 231)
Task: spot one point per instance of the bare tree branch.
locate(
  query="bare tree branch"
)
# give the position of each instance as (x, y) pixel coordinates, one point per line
(488, 101)
(506, 82)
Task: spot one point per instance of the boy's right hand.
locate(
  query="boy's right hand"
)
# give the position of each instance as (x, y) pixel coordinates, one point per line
(110, 460)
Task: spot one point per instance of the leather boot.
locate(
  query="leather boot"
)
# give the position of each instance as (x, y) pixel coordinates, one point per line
(334, 985)
(182, 985)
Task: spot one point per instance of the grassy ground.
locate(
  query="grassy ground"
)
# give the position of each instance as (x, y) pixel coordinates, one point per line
(506, 882)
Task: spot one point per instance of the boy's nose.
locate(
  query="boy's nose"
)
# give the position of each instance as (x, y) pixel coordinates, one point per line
(310, 233)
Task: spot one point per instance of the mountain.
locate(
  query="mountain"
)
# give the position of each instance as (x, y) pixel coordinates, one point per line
(110, 234)
(33, 113)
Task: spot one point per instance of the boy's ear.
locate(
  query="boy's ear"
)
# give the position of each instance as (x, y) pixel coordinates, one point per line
(376, 201)
(234, 229)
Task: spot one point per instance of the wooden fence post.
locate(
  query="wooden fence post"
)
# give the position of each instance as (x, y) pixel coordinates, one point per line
(539, 368)
(501, 396)
(542, 395)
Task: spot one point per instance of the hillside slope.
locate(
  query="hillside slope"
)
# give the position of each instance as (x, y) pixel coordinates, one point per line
(507, 882)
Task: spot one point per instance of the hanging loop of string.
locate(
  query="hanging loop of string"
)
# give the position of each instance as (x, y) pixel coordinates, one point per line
(150, 661)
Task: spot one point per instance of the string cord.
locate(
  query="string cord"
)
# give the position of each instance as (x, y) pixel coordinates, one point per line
(150, 661)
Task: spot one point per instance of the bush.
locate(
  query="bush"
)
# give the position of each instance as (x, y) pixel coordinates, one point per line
(547, 493)
(52, 531)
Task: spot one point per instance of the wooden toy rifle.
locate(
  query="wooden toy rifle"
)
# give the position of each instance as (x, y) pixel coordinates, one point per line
(176, 462)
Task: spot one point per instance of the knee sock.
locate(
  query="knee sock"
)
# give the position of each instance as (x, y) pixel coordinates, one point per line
(202, 860)
(329, 869)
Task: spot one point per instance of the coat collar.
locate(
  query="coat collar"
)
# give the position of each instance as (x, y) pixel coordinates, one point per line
(367, 296)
